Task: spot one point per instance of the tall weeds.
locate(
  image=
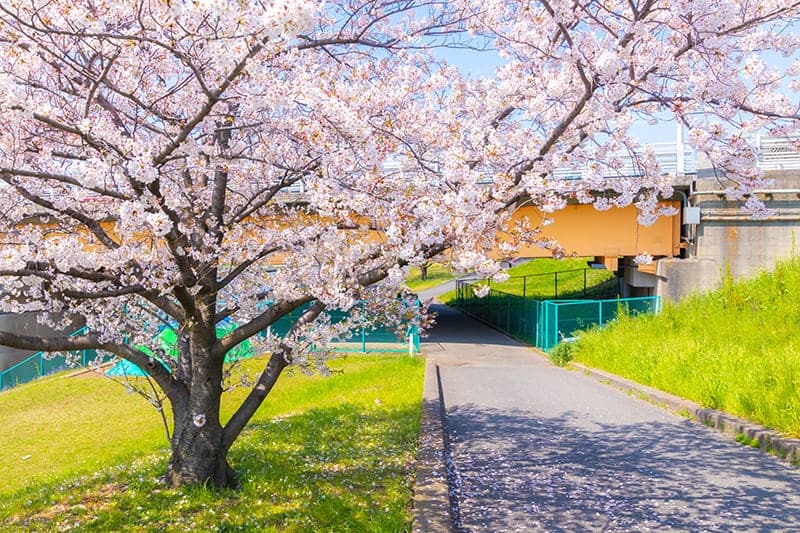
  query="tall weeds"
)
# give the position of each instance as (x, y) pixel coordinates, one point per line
(736, 349)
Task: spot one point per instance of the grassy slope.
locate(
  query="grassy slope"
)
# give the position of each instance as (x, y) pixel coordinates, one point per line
(570, 284)
(541, 286)
(737, 349)
(437, 274)
(60, 425)
(322, 453)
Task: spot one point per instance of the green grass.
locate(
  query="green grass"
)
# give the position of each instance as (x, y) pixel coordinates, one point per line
(437, 274)
(736, 349)
(321, 454)
(539, 285)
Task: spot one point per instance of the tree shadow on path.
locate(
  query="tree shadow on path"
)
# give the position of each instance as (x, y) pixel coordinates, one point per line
(517, 472)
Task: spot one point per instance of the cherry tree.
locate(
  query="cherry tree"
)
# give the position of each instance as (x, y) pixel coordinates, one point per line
(180, 163)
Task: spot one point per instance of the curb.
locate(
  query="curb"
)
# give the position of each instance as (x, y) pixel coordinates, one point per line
(787, 449)
(431, 491)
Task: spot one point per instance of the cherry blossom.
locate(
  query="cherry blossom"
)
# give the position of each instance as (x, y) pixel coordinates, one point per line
(180, 163)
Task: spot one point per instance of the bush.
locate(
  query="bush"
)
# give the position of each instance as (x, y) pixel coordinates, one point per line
(561, 353)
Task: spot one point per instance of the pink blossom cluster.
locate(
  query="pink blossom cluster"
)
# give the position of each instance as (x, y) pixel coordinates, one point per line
(152, 151)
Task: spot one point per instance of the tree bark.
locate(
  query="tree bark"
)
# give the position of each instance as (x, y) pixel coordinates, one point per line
(199, 454)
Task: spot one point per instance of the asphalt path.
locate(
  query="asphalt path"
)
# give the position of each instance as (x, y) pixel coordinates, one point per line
(534, 447)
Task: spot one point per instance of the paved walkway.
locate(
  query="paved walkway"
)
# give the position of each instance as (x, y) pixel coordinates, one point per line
(539, 448)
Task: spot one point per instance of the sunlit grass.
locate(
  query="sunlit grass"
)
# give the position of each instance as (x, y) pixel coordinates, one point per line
(332, 454)
(557, 278)
(437, 274)
(540, 283)
(736, 349)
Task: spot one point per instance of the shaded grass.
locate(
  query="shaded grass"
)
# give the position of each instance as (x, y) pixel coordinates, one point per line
(736, 349)
(321, 454)
(437, 274)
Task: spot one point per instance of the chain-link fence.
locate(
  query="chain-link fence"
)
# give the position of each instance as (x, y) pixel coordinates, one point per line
(377, 338)
(544, 323)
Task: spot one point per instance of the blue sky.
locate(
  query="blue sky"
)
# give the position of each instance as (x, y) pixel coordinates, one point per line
(477, 64)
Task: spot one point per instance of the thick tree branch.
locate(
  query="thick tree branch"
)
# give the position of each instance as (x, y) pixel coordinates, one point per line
(266, 380)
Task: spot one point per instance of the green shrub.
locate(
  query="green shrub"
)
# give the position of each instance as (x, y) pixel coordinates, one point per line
(561, 353)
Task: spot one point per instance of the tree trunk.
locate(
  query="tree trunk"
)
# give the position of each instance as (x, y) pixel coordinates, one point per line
(423, 271)
(199, 455)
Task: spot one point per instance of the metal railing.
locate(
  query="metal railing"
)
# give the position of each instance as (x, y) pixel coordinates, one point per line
(777, 153)
(674, 158)
(573, 283)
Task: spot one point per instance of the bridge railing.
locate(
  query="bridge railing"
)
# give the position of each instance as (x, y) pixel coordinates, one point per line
(775, 153)
(674, 158)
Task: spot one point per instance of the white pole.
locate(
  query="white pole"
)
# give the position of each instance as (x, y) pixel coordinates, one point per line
(679, 149)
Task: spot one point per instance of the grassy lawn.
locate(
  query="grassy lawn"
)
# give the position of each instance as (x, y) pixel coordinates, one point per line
(322, 453)
(437, 274)
(736, 349)
(541, 286)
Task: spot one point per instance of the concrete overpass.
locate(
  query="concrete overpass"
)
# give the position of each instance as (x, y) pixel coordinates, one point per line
(709, 234)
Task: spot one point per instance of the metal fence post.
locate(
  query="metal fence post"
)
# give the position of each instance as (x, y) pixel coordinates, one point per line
(584, 283)
(363, 330)
(600, 312)
(524, 286)
(508, 314)
(525, 315)
(555, 284)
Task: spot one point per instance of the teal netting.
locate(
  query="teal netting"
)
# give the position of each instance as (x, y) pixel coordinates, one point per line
(364, 339)
(41, 364)
(545, 323)
(367, 339)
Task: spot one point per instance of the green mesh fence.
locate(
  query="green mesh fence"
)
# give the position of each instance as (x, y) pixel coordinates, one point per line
(545, 323)
(562, 319)
(366, 339)
(41, 364)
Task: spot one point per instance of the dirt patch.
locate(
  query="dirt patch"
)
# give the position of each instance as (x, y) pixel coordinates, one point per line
(67, 510)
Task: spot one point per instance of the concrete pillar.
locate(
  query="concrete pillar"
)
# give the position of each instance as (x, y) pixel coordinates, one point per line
(678, 278)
